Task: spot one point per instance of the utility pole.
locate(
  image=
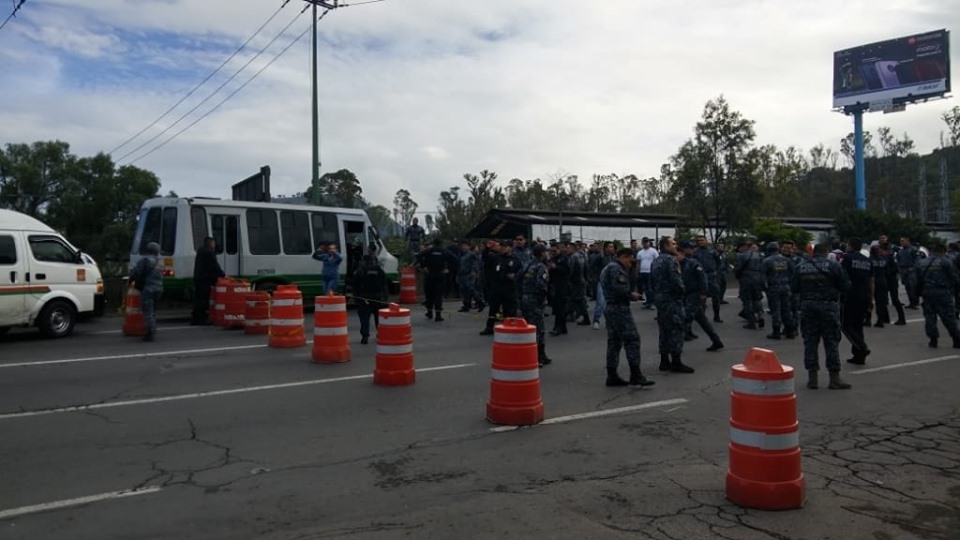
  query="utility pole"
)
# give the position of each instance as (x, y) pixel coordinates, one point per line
(315, 165)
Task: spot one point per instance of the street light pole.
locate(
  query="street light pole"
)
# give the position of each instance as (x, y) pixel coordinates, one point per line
(315, 164)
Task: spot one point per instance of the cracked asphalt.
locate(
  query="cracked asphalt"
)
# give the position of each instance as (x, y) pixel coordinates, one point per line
(343, 458)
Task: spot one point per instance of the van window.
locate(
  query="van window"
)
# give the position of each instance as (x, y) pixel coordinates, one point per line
(51, 249)
(325, 229)
(263, 232)
(198, 223)
(8, 250)
(295, 230)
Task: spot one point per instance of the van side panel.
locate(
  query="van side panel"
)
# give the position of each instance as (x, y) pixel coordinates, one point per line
(14, 289)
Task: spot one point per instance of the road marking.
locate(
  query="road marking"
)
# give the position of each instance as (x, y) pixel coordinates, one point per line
(211, 393)
(905, 364)
(596, 414)
(164, 328)
(66, 503)
(138, 355)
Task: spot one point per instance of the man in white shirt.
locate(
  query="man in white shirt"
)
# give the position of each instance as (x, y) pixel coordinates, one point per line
(645, 258)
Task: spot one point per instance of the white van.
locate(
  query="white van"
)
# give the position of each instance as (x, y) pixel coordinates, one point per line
(268, 244)
(44, 280)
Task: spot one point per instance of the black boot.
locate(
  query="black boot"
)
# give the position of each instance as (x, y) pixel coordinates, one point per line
(542, 358)
(664, 362)
(690, 336)
(438, 318)
(716, 346)
(791, 333)
(836, 383)
(775, 334)
(760, 321)
(933, 343)
(429, 314)
(812, 382)
(677, 366)
(613, 378)
(637, 378)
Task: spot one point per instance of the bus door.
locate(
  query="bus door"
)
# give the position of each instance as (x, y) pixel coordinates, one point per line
(354, 241)
(225, 230)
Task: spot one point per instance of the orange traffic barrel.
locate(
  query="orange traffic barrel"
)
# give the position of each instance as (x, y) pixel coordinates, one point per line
(217, 298)
(515, 377)
(408, 285)
(235, 303)
(330, 341)
(394, 361)
(764, 471)
(286, 318)
(133, 321)
(256, 314)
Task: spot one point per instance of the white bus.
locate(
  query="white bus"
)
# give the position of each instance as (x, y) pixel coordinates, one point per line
(268, 244)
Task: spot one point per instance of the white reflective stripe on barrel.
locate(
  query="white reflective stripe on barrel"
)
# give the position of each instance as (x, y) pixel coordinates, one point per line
(258, 303)
(408, 287)
(394, 321)
(286, 322)
(763, 388)
(515, 339)
(338, 331)
(395, 349)
(220, 307)
(507, 375)
(341, 306)
(765, 441)
(287, 302)
(258, 322)
(220, 289)
(133, 311)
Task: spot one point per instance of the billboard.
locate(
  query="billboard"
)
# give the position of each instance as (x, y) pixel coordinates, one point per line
(893, 71)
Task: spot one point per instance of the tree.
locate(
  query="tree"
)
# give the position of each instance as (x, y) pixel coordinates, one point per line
(340, 188)
(428, 223)
(404, 207)
(848, 148)
(31, 176)
(380, 218)
(714, 174)
(869, 224)
(771, 230)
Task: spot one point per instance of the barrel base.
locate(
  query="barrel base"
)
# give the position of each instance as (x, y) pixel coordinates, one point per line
(766, 495)
(331, 355)
(515, 416)
(287, 343)
(394, 378)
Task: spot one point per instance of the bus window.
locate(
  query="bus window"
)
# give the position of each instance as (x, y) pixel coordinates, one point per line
(263, 232)
(168, 231)
(151, 229)
(325, 229)
(231, 240)
(198, 219)
(295, 231)
(217, 222)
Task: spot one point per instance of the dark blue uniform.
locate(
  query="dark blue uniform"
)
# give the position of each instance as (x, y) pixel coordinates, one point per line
(819, 282)
(777, 275)
(859, 270)
(937, 281)
(696, 287)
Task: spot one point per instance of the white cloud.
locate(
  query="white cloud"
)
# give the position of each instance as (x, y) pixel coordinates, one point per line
(417, 92)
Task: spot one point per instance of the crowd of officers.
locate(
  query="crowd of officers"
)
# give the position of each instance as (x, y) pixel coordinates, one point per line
(820, 292)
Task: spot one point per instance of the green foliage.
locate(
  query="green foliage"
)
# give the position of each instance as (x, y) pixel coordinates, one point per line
(456, 215)
(404, 207)
(771, 230)
(868, 225)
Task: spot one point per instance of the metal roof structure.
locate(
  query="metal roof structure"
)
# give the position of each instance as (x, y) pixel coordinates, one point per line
(509, 222)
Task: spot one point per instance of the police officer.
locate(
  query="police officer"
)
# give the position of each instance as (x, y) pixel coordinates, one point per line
(521, 251)
(777, 273)
(435, 262)
(560, 285)
(621, 328)
(893, 281)
(858, 300)
(468, 271)
(597, 263)
(371, 293)
(695, 284)
(533, 281)
(148, 277)
(712, 266)
(668, 294)
(748, 270)
(880, 288)
(206, 271)
(414, 236)
(907, 259)
(938, 281)
(819, 282)
(503, 290)
(578, 282)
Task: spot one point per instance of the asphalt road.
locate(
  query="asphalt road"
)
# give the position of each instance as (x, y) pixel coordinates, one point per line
(208, 433)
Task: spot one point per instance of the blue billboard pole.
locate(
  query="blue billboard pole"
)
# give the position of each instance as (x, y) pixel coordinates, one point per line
(858, 159)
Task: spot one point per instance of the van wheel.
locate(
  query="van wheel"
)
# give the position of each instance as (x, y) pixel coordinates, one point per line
(57, 319)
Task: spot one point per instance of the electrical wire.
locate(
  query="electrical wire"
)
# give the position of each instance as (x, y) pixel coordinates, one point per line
(233, 93)
(222, 85)
(204, 81)
(16, 8)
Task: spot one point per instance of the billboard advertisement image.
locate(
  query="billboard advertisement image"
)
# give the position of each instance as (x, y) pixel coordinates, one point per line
(897, 70)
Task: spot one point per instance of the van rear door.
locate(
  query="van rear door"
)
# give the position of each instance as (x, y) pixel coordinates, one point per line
(13, 285)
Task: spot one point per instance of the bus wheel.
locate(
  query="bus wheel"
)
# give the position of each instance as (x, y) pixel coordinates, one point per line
(57, 319)
(266, 286)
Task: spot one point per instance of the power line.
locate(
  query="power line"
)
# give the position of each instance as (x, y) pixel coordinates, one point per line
(222, 85)
(16, 8)
(204, 81)
(241, 87)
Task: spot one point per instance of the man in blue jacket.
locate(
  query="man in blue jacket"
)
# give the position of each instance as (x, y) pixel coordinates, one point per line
(331, 266)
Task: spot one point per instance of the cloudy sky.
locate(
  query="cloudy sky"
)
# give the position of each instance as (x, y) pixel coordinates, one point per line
(415, 93)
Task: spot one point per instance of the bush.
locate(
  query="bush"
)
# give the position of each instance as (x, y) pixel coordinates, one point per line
(868, 225)
(771, 230)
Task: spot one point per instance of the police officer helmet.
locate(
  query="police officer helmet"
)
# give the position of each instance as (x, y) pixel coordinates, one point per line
(773, 246)
(153, 248)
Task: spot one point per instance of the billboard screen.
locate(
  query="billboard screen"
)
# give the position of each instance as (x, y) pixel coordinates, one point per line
(898, 70)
